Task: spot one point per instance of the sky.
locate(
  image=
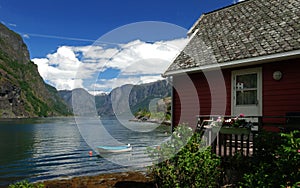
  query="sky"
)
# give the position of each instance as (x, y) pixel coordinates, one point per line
(99, 45)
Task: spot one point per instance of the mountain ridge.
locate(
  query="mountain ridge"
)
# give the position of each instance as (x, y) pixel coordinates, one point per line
(23, 93)
(126, 99)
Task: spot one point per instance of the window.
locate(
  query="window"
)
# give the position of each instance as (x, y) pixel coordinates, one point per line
(246, 89)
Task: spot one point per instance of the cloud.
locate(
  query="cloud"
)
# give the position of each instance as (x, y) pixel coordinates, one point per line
(84, 66)
(59, 69)
(26, 36)
(12, 24)
(8, 24)
(56, 37)
(103, 84)
(139, 57)
(237, 1)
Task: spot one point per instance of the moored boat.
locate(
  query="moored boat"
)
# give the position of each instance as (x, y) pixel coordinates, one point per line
(114, 149)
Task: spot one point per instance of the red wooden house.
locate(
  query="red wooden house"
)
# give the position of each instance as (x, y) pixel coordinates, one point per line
(244, 58)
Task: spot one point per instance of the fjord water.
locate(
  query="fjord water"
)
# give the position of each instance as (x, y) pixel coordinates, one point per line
(49, 148)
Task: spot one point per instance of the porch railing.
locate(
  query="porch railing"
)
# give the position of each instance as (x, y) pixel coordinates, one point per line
(227, 142)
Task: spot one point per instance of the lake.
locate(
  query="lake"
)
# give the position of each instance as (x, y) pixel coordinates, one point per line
(49, 148)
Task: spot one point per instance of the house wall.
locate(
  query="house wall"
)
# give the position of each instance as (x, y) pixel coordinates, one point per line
(279, 97)
(211, 96)
(185, 101)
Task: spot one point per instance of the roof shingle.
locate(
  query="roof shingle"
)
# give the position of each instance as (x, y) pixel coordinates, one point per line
(245, 30)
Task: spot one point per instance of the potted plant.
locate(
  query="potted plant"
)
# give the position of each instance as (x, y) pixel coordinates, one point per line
(233, 125)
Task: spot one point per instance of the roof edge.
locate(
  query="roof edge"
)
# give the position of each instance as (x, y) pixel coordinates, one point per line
(190, 32)
(237, 63)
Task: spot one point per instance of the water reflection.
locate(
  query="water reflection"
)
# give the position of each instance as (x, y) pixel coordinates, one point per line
(16, 142)
(40, 149)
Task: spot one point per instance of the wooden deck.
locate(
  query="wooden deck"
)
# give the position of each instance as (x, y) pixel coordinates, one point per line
(227, 144)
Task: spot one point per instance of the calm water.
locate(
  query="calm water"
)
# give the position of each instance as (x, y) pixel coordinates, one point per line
(40, 149)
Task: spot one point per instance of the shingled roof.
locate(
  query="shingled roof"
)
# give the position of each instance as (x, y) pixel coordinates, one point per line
(247, 30)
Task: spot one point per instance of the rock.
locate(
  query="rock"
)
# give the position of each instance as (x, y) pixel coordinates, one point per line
(124, 180)
(23, 92)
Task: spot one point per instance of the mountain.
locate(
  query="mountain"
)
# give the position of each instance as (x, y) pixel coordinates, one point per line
(131, 98)
(80, 101)
(121, 100)
(23, 92)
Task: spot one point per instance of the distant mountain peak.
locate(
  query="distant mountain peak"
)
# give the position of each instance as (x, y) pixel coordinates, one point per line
(117, 101)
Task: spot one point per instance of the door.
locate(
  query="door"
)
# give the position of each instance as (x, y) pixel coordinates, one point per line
(247, 92)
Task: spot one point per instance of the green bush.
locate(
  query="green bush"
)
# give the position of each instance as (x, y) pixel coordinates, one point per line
(26, 184)
(182, 161)
(277, 166)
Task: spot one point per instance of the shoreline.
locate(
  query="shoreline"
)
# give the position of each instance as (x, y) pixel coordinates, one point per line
(119, 179)
(161, 122)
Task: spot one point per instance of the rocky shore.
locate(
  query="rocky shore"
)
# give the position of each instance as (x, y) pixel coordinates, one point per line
(117, 180)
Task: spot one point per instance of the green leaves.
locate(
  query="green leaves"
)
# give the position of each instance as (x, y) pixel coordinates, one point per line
(183, 162)
(282, 156)
(25, 184)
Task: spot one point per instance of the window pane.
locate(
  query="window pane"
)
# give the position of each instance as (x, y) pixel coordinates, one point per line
(246, 81)
(246, 97)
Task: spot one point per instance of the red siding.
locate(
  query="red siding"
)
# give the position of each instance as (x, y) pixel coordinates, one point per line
(280, 97)
(212, 96)
(185, 101)
(227, 78)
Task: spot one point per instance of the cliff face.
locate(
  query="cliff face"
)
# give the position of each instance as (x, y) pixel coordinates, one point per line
(135, 97)
(80, 101)
(23, 92)
(12, 44)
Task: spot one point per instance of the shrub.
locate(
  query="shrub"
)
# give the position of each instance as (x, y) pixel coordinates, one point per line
(182, 161)
(277, 167)
(25, 184)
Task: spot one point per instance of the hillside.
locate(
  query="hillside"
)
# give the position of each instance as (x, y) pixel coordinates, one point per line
(23, 92)
(80, 101)
(135, 96)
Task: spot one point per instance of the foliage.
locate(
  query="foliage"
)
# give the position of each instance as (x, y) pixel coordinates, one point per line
(144, 104)
(36, 100)
(58, 104)
(182, 161)
(283, 155)
(168, 114)
(142, 113)
(39, 107)
(25, 184)
(237, 121)
(234, 167)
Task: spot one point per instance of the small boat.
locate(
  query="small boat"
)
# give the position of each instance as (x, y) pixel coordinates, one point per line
(114, 149)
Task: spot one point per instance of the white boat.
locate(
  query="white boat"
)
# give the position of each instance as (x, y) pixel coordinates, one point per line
(114, 149)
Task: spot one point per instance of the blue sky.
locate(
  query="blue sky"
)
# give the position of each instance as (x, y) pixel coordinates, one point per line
(61, 35)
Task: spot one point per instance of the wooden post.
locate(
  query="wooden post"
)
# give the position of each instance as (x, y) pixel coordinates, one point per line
(230, 146)
(242, 144)
(225, 144)
(248, 145)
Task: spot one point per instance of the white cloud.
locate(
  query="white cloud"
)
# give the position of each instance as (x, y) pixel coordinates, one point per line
(237, 1)
(64, 58)
(26, 36)
(139, 57)
(12, 24)
(60, 68)
(80, 66)
(103, 85)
